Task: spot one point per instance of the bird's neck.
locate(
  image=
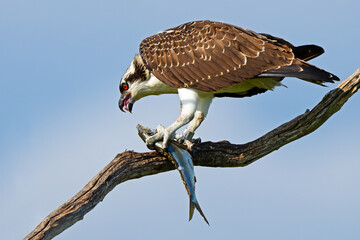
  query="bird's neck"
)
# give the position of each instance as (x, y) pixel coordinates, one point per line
(153, 86)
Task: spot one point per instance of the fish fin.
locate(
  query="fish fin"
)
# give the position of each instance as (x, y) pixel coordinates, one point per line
(195, 204)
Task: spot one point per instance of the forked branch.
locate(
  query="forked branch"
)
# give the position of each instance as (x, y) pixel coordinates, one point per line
(129, 165)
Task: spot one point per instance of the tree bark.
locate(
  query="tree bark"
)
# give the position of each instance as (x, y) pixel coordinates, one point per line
(129, 165)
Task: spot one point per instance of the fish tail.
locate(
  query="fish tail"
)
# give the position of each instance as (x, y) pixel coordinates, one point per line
(191, 208)
(195, 204)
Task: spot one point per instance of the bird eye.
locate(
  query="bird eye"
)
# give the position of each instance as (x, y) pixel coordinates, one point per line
(124, 86)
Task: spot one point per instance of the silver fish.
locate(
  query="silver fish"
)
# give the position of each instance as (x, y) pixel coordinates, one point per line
(184, 164)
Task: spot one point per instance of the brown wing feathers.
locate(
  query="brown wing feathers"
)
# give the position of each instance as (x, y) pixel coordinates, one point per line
(209, 56)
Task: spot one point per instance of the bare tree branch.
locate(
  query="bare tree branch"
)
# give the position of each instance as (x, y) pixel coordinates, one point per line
(129, 165)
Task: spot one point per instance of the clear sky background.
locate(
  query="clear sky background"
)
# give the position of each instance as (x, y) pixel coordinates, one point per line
(60, 66)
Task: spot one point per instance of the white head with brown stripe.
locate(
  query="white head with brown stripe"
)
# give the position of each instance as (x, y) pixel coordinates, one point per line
(138, 82)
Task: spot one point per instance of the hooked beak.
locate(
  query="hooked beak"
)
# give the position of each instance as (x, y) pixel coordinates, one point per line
(126, 102)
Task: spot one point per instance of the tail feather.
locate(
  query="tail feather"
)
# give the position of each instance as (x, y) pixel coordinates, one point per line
(195, 204)
(304, 52)
(303, 70)
(307, 52)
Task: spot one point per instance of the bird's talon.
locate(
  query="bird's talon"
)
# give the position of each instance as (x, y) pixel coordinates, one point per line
(188, 135)
(162, 135)
(150, 143)
(188, 144)
(160, 128)
(179, 138)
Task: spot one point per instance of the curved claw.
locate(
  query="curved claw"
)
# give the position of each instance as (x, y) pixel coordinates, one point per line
(162, 134)
(188, 135)
(188, 139)
(150, 141)
(166, 138)
(180, 139)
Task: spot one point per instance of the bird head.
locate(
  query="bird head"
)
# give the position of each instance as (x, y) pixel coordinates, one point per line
(133, 83)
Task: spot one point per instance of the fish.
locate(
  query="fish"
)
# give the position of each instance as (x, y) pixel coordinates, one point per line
(184, 164)
(182, 160)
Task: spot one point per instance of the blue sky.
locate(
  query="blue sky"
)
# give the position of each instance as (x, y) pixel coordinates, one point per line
(61, 62)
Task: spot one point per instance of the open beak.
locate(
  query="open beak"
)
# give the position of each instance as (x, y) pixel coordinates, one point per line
(126, 102)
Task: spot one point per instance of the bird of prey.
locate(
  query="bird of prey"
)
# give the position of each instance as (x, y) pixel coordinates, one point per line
(201, 60)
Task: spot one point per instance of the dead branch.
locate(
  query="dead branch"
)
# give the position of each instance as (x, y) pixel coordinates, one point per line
(129, 165)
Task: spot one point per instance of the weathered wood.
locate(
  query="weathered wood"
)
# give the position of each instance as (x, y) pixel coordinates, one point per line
(129, 165)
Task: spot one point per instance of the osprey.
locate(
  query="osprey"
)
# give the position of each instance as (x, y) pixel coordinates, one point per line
(204, 59)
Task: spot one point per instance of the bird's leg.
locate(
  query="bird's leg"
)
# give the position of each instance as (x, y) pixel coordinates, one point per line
(188, 103)
(188, 134)
(199, 116)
